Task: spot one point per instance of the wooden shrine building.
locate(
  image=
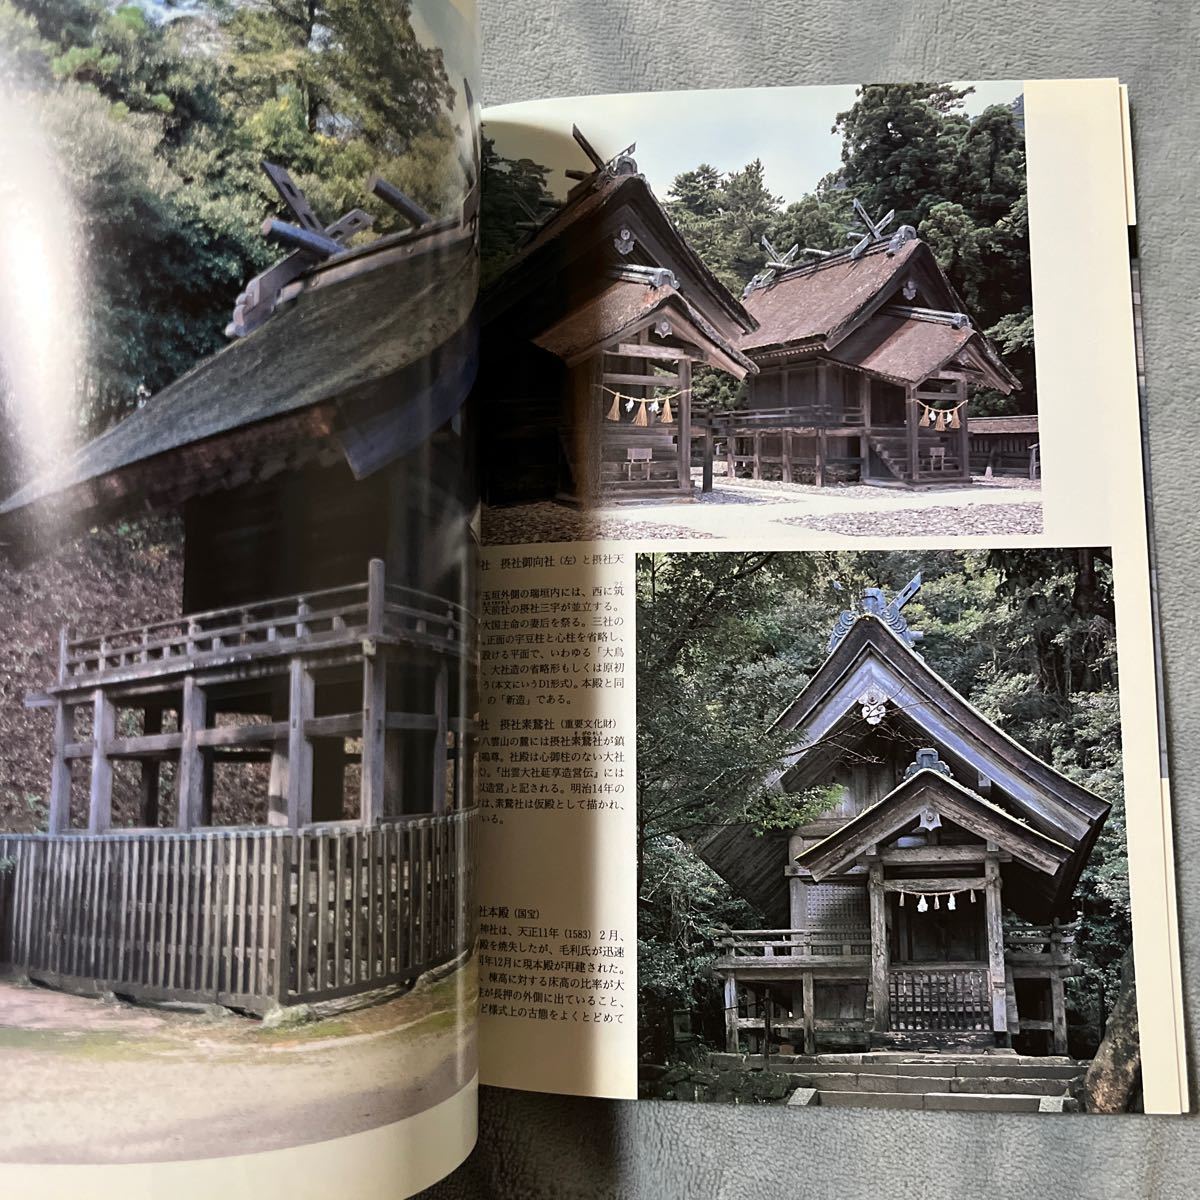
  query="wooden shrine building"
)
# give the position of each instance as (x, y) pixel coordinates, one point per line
(866, 359)
(927, 906)
(588, 343)
(323, 662)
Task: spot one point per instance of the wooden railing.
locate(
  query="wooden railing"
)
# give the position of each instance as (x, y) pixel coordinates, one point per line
(751, 420)
(1051, 943)
(269, 627)
(752, 944)
(247, 918)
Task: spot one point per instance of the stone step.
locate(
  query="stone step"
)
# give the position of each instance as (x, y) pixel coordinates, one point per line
(946, 1101)
(997, 1067)
(925, 1084)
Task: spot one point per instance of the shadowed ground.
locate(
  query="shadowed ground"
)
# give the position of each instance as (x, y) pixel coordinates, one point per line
(95, 1081)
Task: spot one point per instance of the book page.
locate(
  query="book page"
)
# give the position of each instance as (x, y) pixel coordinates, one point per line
(239, 542)
(818, 650)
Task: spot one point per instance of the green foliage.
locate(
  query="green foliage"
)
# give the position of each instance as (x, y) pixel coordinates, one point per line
(726, 641)
(512, 189)
(158, 123)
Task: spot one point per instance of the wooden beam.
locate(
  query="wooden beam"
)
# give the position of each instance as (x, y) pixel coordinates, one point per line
(104, 720)
(731, 1015)
(341, 725)
(912, 417)
(60, 771)
(191, 782)
(659, 353)
(810, 1015)
(1058, 1007)
(914, 855)
(614, 379)
(301, 699)
(995, 942)
(149, 782)
(373, 724)
(441, 708)
(937, 884)
(683, 444)
(964, 436)
(879, 948)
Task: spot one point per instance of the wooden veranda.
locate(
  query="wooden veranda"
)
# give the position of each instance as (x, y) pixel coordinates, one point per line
(338, 892)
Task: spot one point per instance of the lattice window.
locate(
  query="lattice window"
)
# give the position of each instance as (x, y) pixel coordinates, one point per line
(836, 905)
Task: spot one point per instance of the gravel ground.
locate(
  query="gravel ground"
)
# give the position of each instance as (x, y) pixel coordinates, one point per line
(781, 492)
(549, 522)
(980, 520)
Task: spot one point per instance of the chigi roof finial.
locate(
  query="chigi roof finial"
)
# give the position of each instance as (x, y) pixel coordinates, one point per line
(875, 229)
(776, 264)
(874, 603)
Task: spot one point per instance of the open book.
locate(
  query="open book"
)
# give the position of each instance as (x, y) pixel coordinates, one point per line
(624, 596)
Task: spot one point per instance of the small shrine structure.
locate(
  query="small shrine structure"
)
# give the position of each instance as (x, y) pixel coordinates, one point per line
(320, 466)
(588, 344)
(929, 906)
(866, 359)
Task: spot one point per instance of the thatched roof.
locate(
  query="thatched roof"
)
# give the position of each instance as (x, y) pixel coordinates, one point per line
(623, 305)
(351, 325)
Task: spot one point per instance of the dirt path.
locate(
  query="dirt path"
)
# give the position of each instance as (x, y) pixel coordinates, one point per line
(89, 1081)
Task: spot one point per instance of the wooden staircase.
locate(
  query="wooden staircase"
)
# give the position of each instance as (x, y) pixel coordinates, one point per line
(892, 450)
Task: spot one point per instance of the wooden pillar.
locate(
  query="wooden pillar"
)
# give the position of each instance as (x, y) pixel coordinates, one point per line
(810, 1020)
(730, 450)
(149, 782)
(441, 711)
(785, 449)
(104, 720)
(864, 441)
(964, 435)
(301, 702)
(191, 778)
(912, 418)
(822, 454)
(995, 940)
(706, 477)
(376, 596)
(1058, 1010)
(879, 948)
(60, 771)
(757, 473)
(277, 786)
(731, 1014)
(684, 417)
(374, 736)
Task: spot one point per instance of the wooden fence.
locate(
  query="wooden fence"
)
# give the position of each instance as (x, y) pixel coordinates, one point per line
(241, 917)
(956, 999)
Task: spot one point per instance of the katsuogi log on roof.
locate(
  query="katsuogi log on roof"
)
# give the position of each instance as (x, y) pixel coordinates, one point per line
(375, 336)
(589, 337)
(864, 313)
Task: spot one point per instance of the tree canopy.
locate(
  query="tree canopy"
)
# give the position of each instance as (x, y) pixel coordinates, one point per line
(157, 120)
(959, 181)
(726, 641)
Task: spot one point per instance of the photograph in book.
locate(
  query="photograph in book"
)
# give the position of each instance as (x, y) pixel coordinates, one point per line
(809, 308)
(881, 831)
(238, 678)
